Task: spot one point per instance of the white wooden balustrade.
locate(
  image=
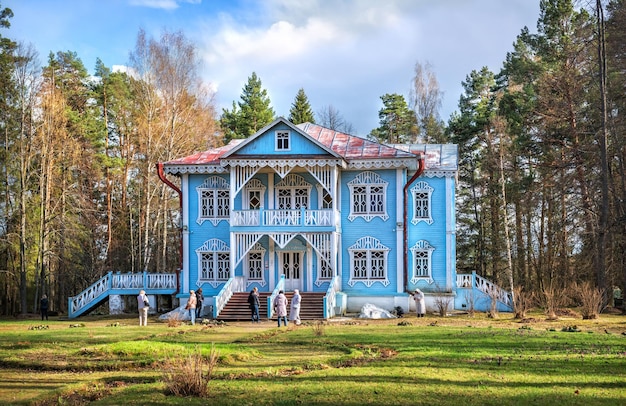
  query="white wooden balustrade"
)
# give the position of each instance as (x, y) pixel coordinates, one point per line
(290, 218)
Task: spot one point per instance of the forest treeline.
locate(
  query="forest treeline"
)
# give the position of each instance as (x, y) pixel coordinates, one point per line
(542, 185)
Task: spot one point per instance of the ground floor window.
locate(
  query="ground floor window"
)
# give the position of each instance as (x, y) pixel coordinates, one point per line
(213, 262)
(422, 260)
(368, 262)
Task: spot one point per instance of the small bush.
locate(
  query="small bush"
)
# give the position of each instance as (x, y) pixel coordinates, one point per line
(442, 301)
(590, 299)
(553, 299)
(186, 377)
(174, 320)
(319, 328)
(522, 302)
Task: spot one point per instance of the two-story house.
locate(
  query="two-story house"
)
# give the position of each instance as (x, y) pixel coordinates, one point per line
(345, 220)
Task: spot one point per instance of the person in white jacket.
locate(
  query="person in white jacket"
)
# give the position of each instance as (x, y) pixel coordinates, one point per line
(143, 305)
(294, 311)
(420, 303)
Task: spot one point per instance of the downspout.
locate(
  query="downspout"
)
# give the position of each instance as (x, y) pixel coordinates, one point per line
(161, 174)
(420, 170)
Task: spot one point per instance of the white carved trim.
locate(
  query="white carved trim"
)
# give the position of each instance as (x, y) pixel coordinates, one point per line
(381, 163)
(368, 178)
(244, 243)
(422, 187)
(422, 246)
(211, 183)
(257, 248)
(253, 185)
(368, 243)
(194, 169)
(439, 174)
(213, 245)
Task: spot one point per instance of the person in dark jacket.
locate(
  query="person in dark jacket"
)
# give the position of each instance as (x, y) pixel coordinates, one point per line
(253, 300)
(200, 299)
(43, 307)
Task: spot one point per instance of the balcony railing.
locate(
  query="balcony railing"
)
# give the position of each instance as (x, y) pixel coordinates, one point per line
(287, 218)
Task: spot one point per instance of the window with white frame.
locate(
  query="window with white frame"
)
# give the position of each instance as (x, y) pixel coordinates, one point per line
(254, 264)
(213, 262)
(214, 200)
(422, 203)
(283, 140)
(422, 261)
(292, 193)
(325, 200)
(368, 199)
(368, 262)
(254, 195)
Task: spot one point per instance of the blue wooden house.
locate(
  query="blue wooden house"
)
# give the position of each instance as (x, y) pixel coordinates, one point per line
(345, 220)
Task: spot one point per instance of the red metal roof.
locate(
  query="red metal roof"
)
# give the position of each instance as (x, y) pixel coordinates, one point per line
(350, 146)
(347, 146)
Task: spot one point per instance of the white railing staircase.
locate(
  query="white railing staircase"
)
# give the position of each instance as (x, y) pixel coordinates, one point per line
(486, 287)
(120, 284)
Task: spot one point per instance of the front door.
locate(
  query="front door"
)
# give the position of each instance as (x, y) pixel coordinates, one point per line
(291, 267)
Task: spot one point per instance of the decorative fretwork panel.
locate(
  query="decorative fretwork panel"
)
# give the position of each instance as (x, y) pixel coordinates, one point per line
(422, 202)
(213, 262)
(368, 262)
(368, 196)
(214, 200)
(422, 261)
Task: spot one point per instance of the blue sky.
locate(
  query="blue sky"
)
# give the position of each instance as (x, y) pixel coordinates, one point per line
(343, 53)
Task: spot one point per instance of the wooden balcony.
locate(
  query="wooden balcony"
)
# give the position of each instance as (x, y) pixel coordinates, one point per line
(283, 218)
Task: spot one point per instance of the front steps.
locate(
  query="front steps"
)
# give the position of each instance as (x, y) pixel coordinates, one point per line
(237, 308)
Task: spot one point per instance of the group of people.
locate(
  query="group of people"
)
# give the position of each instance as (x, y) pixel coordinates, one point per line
(194, 306)
(280, 307)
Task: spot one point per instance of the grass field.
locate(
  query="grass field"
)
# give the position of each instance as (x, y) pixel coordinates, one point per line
(457, 360)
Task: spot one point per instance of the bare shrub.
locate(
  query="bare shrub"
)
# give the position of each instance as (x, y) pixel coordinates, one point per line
(552, 299)
(319, 329)
(442, 301)
(470, 302)
(590, 299)
(186, 376)
(493, 313)
(174, 320)
(522, 302)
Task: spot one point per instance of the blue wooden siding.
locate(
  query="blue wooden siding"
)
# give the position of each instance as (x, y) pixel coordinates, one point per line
(383, 230)
(266, 143)
(434, 234)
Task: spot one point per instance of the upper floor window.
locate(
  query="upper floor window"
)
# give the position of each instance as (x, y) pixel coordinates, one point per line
(422, 261)
(368, 262)
(254, 195)
(213, 262)
(213, 200)
(292, 193)
(283, 141)
(422, 203)
(368, 196)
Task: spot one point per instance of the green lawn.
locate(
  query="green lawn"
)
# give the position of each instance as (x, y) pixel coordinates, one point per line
(458, 360)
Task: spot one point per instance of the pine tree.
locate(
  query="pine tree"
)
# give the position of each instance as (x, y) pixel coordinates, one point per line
(397, 122)
(300, 111)
(254, 112)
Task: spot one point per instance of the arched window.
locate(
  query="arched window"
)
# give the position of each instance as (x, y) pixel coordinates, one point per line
(213, 200)
(213, 262)
(368, 262)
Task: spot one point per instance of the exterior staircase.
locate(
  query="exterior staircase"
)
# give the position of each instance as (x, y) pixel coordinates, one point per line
(237, 308)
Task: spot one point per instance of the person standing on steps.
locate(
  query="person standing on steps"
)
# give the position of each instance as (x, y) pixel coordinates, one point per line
(254, 302)
(420, 303)
(143, 305)
(294, 311)
(280, 307)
